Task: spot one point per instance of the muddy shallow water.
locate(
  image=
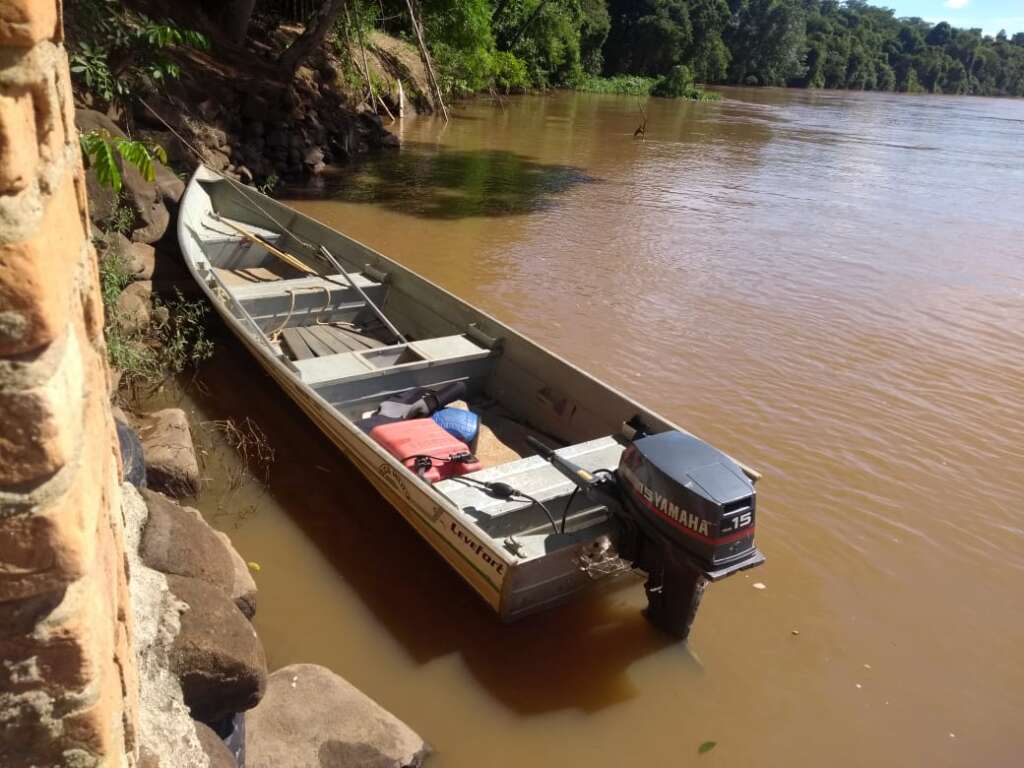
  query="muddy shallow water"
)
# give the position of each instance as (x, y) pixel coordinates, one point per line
(828, 286)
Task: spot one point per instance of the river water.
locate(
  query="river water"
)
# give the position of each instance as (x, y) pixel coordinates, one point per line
(828, 286)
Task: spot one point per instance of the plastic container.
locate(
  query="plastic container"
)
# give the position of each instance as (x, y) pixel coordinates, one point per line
(405, 440)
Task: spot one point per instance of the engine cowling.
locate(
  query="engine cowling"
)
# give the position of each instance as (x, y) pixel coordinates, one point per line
(692, 495)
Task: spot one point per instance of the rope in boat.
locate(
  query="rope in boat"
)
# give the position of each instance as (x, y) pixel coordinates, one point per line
(291, 308)
(317, 318)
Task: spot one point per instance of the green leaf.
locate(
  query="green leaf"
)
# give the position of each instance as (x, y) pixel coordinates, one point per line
(707, 746)
(135, 152)
(159, 152)
(97, 148)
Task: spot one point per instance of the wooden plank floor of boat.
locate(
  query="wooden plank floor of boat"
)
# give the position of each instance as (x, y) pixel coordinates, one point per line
(304, 342)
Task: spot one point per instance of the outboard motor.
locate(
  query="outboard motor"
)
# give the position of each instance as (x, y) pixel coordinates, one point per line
(686, 512)
(679, 487)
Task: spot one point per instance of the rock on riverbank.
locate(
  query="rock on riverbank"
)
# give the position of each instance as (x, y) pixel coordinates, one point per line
(171, 464)
(312, 717)
(217, 656)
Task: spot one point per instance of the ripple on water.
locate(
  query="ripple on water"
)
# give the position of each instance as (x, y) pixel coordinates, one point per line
(829, 286)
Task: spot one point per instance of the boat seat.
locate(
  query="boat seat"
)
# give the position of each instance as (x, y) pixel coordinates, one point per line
(240, 260)
(307, 300)
(381, 360)
(221, 232)
(309, 283)
(532, 475)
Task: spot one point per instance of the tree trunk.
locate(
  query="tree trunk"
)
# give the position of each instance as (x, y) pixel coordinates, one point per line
(314, 34)
(235, 20)
(425, 54)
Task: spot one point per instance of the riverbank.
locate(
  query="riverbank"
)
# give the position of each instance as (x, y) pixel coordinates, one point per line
(206, 692)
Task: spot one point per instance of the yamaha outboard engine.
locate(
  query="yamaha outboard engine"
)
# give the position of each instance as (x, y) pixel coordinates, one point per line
(686, 513)
(689, 519)
(679, 487)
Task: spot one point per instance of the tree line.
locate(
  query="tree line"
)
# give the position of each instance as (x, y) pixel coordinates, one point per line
(799, 43)
(515, 45)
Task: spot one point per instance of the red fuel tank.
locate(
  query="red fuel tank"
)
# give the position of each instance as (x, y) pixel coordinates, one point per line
(405, 440)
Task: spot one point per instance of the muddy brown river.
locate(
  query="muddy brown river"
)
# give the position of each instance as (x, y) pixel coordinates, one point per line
(828, 286)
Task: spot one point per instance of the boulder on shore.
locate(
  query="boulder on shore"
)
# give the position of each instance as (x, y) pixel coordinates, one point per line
(343, 728)
(145, 198)
(151, 215)
(217, 752)
(170, 187)
(171, 464)
(216, 656)
(176, 540)
(141, 261)
(134, 306)
(243, 585)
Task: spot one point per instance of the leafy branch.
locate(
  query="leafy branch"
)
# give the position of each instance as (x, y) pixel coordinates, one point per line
(117, 53)
(101, 150)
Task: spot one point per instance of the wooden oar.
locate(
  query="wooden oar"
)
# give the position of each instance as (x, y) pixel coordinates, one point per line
(287, 258)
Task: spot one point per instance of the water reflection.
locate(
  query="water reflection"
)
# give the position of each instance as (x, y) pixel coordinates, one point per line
(422, 180)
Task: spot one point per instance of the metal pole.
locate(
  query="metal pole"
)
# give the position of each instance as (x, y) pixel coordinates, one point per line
(344, 273)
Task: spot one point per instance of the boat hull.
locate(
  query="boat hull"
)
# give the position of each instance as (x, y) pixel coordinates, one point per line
(565, 401)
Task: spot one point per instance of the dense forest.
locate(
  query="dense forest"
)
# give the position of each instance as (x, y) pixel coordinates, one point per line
(664, 45)
(801, 43)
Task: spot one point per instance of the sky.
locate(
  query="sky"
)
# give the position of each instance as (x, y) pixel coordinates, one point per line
(990, 15)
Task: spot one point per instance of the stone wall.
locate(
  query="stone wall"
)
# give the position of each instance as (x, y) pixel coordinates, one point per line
(68, 691)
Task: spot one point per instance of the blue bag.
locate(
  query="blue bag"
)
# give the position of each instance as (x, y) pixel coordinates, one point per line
(464, 425)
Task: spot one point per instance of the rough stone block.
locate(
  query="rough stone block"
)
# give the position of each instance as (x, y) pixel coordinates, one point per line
(18, 152)
(243, 586)
(171, 464)
(92, 303)
(47, 547)
(134, 307)
(28, 269)
(43, 423)
(50, 124)
(66, 106)
(26, 22)
(68, 685)
(216, 751)
(70, 650)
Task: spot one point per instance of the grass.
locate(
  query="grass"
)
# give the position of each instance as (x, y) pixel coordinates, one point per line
(182, 338)
(164, 348)
(698, 94)
(626, 85)
(114, 277)
(636, 85)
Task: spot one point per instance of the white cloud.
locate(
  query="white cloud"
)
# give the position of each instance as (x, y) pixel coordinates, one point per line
(956, 4)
